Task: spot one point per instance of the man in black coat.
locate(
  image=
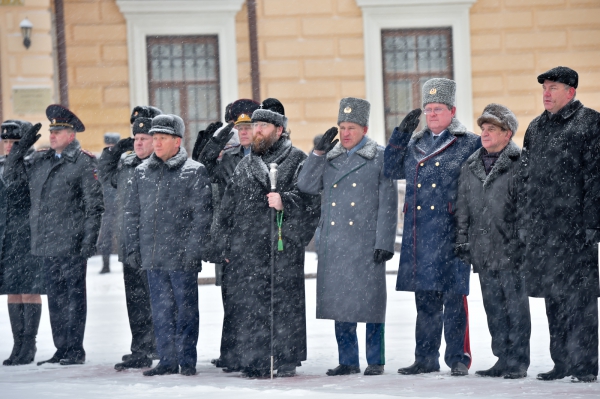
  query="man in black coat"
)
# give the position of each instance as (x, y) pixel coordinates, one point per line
(486, 223)
(561, 200)
(167, 222)
(66, 210)
(117, 166)
(249, 245)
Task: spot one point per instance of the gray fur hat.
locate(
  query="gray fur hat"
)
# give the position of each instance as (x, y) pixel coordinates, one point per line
(111, 138)
(439, 90)
(499, 115)
(266, 115)
(354, 110)
(168, 124)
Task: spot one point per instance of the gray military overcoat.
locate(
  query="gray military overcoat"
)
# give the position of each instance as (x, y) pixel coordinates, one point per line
(359, 213)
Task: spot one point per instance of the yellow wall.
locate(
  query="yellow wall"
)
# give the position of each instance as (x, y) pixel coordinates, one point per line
(21, 67)
(513, 41)
(98, 75)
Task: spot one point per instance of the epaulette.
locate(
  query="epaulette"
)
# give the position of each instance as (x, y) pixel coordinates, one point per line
(89, 154)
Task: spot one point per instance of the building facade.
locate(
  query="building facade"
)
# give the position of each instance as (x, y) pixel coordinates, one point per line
(193, 57)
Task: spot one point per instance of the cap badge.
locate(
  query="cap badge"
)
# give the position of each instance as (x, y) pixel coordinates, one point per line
(53, 120)
(135, 113)
(347, 110)
(433, 91)
(141, 125)
(4, 130)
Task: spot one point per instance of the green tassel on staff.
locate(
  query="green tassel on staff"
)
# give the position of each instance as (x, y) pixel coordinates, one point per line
(279, 224)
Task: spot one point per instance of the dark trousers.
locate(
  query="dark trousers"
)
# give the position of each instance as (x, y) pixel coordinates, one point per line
(438, 310)
(573, 324)
(174, 297)
(507, 309)
(139, 310)
(67, 304)
(345, 334)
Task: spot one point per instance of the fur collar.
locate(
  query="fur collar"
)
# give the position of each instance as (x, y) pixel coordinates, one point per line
(456, 129)
(278, 153)
(510, 154)
(172, 163)
(368, 151)
(565, 112)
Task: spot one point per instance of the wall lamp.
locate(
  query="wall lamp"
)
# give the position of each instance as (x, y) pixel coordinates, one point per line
(26, 27)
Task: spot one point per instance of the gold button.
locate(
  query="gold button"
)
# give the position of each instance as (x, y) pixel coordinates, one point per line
(419, 207)
(353, 184)
(352, 204)
(351, 223)
(333, 204)
(422, 164)
(432, 207)
(333, 223)
(335, 185)
(433, 185)
(419, 185)
(437, 164)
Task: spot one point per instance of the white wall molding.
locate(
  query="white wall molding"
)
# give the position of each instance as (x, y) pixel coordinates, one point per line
(406, 14)
(180, 17)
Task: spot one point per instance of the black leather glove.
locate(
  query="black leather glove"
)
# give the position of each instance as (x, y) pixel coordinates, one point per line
(30, 137)
(123, 146)
(327, 142)
(410, 121)
(87, 251)
(224, 136)
(592, 237)
(381, 255)
(134, 260)
(203, 137)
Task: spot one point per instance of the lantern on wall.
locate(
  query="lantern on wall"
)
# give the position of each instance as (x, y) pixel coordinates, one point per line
(26, 27)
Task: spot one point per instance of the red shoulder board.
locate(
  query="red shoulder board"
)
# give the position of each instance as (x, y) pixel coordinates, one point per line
(89, 154)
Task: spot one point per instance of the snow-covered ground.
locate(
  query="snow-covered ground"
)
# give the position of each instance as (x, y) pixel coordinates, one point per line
(107, 338)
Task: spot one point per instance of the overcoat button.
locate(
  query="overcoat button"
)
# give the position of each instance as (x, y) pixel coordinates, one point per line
(432, 207)
(352, 204)
(333, 204)
(335, 185)
(333, 223)
(419, 207)
(419, 185)
(437, 164)
(353, 184)
(422, 164)
(351, 223)
(433, 185)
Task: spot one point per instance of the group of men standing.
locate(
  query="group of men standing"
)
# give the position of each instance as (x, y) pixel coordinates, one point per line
(249, 201)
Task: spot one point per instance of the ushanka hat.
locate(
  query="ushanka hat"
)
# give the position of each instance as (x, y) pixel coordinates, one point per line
(61, 118)
(144, 111)
(354, 110)
(500, 116)
(270, 115)
(141, 125)
(439, 90)
(13, 129)
(168, 124)
(560, 74)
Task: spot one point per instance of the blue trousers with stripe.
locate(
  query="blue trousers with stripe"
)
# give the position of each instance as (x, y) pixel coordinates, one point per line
(345, 334)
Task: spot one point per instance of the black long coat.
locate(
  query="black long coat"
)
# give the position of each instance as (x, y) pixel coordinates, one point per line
(560, 168)
(486, 211)
(20, 272)
(66, 198)
(246, 240)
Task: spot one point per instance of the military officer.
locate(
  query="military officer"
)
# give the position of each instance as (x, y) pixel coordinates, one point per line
(66, 210)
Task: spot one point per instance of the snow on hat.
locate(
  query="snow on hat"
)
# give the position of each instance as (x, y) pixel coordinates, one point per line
(499, 115)
(265, 115)
(144, 111)
(13, 129)
(560, 74)
(439, 90)
(111, 138)
(355, 110)
(168, 124)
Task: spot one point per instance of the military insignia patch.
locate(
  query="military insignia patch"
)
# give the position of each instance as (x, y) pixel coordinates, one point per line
(347, 110)
(96, 174)
(433, 91)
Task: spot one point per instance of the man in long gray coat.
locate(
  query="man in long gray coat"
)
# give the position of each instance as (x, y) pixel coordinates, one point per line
(359, 208)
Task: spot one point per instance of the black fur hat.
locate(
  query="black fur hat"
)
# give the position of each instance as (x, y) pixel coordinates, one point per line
(144, 111)
(13, 129)
(141, 125)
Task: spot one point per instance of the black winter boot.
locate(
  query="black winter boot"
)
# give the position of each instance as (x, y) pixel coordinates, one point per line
(105, 264)
(15, 313)
(32, 313)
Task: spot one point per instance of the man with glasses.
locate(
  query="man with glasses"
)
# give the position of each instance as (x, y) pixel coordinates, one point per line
(248, 244)
(430, 161)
